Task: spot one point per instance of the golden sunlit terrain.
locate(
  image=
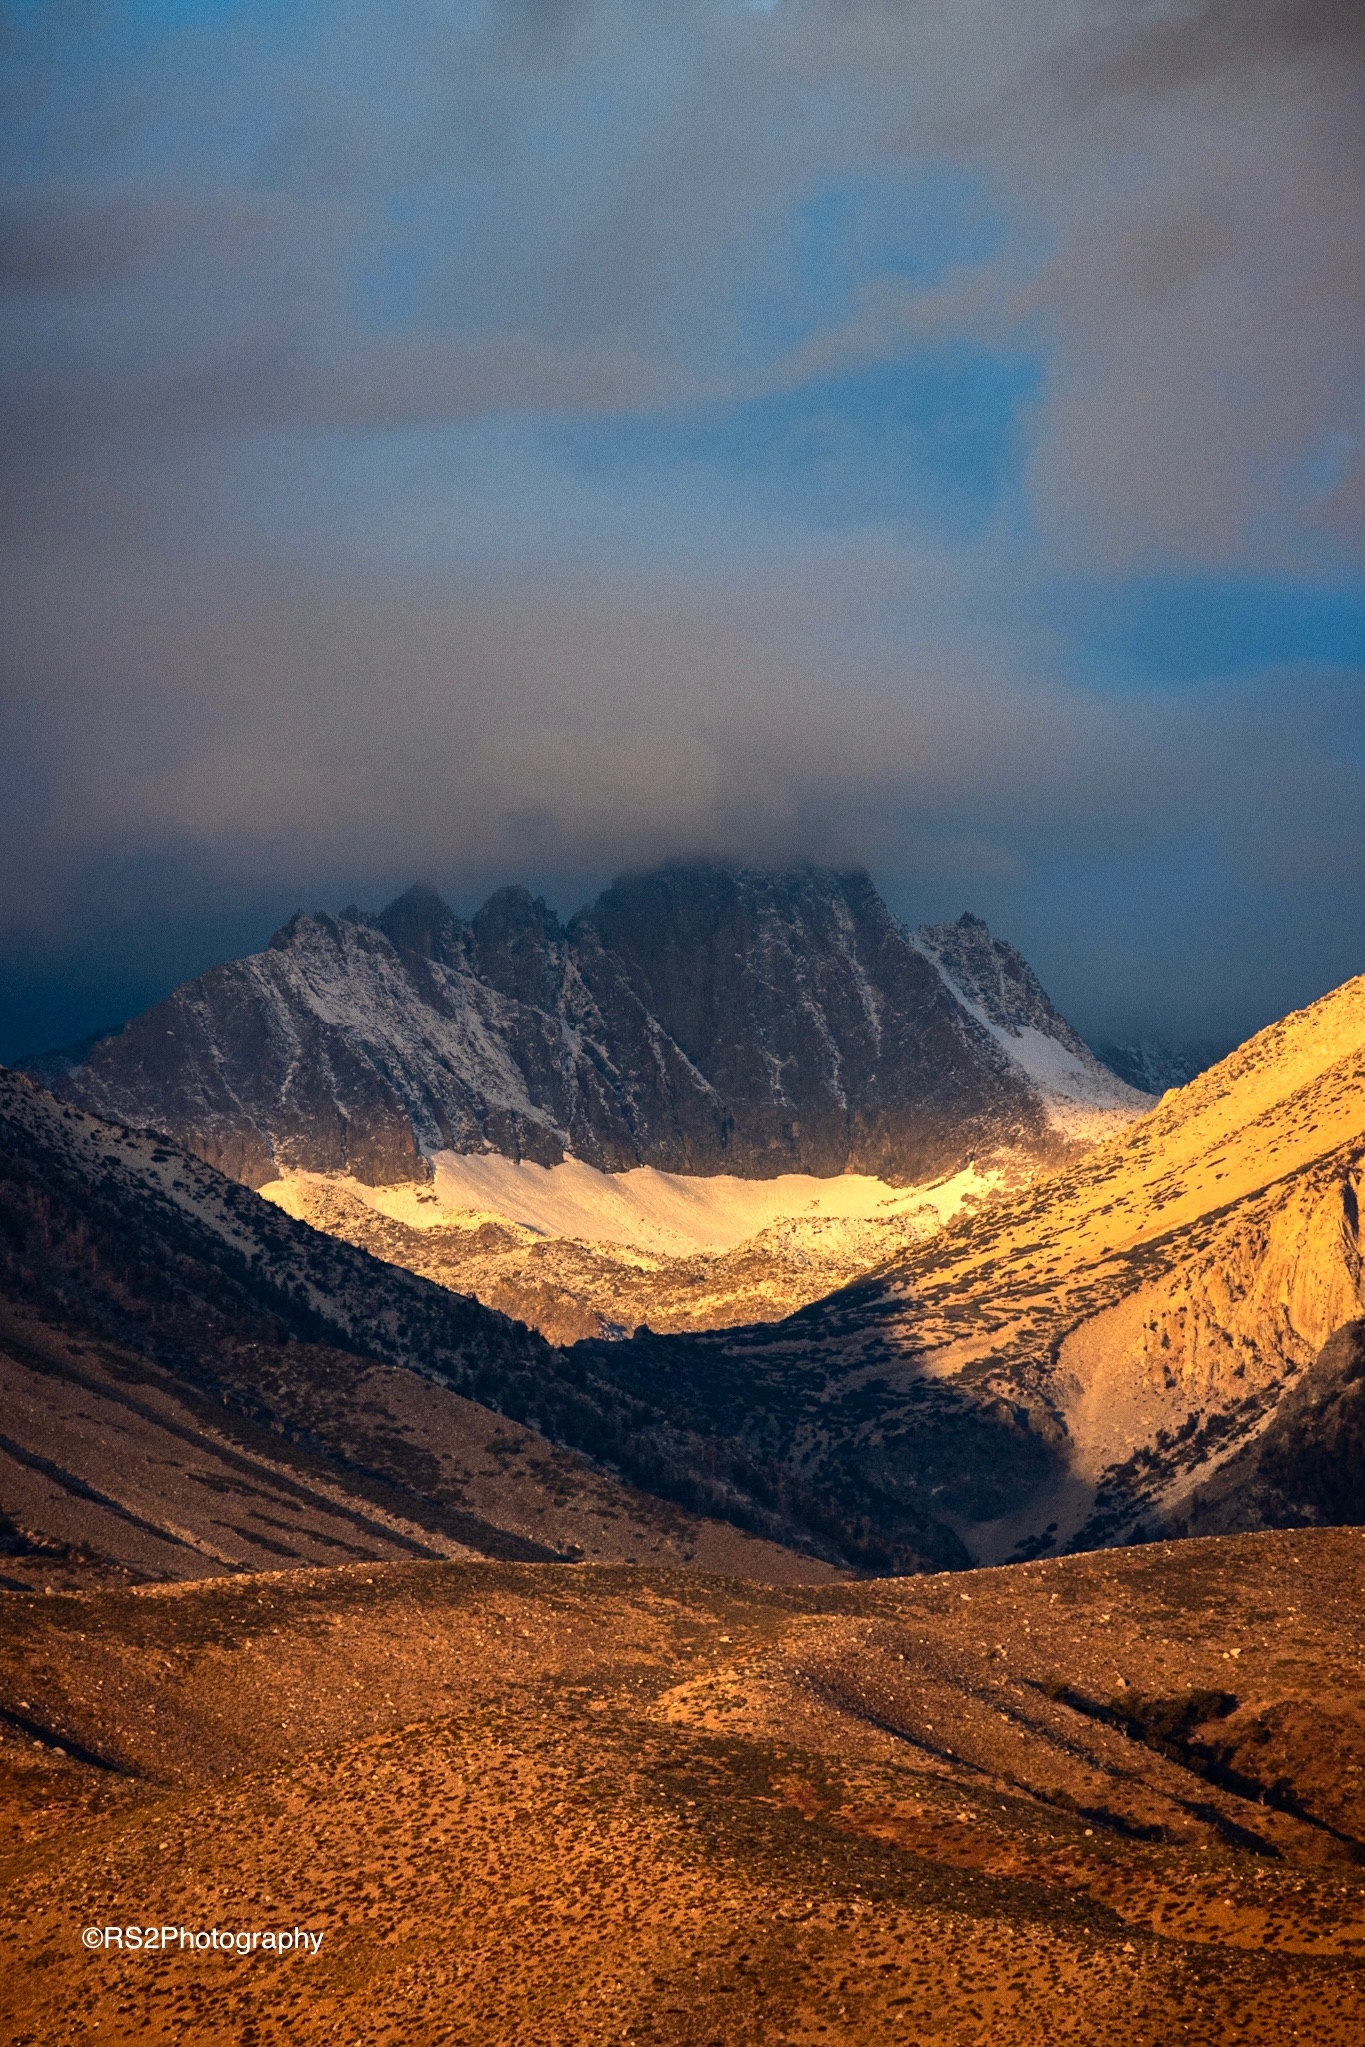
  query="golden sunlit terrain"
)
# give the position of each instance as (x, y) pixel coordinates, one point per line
(1112, 1798)
(576, 1252)
(1179, 1274)
(1135, 1318)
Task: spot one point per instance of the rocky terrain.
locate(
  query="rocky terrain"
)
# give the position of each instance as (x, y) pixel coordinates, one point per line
(1153, 1066)
(699, 1020)
(1074, 1364)
(1306, 1468)
(996, 985)
(547, 1688)
(617, 1276)
(1113, 1800)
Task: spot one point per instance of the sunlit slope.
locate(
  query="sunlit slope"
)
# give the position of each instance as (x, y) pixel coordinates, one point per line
(576, 1252)
(1068, 1365)
(668, 1213)
(1286, 1098)
(1158, 1297)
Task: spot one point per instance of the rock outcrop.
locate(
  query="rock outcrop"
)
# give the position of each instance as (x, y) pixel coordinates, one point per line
(1307, 1467)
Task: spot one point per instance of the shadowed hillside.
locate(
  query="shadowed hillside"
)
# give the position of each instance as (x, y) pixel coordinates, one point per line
(189, 1371)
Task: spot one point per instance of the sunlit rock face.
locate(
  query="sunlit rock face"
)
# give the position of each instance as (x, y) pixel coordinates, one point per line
(699, 1020)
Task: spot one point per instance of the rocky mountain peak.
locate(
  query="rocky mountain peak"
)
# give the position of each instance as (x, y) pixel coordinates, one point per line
(421, 921)
(997, 979)
(736, 962)
(698, 1018)
(519, 947)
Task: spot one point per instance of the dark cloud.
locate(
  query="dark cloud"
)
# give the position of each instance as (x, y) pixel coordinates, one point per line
(445, 445)
(210, 738)
(1155, 50)
(54, 245)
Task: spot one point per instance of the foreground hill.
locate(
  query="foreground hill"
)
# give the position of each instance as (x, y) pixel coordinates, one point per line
(1114, 1800)
(699, 1020)
(193, 1381)
(1074, 1364)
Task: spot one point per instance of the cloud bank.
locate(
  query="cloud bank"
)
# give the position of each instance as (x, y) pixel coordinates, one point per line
(536, 439)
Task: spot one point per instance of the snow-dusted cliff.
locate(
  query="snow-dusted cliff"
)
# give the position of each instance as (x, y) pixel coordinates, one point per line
(1084, 1098)
(698, 1020)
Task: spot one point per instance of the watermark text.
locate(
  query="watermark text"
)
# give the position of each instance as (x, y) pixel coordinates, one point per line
(162, 1940)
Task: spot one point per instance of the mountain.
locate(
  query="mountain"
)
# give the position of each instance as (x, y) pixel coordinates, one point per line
(697, 1020)
(196, 1381)
(1073, 1364)
(579, 1253)
(1306, 1468)
(1069, 1364)
(998, 988)
(1112, 1801)
(1154, 1066)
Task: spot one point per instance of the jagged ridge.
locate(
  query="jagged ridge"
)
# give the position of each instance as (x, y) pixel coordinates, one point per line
(698, 1019)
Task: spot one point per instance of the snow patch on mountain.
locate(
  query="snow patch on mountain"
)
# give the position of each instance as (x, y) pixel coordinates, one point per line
(1085, 1100)
(669, 1214)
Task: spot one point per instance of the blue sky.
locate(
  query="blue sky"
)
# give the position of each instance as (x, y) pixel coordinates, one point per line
(524, 440)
